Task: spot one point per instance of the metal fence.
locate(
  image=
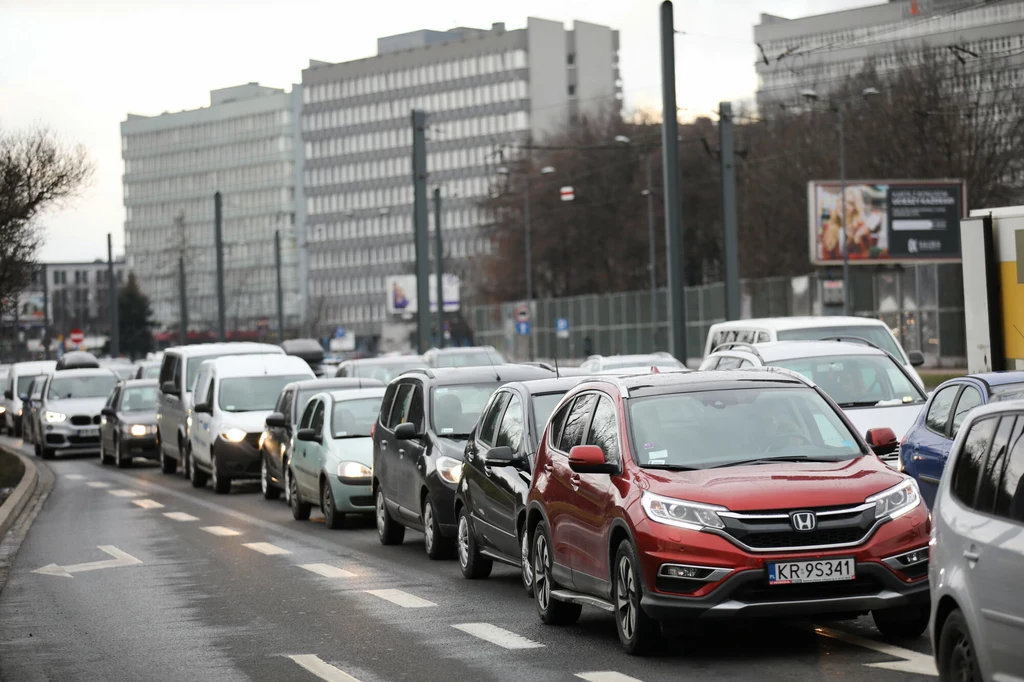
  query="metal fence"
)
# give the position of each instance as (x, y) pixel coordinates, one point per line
(922, 304)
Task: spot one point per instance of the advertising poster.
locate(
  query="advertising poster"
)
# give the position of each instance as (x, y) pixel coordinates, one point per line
(401, 291)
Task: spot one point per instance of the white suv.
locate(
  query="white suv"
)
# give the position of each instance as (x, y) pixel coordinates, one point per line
(233, 397)
(977, 550)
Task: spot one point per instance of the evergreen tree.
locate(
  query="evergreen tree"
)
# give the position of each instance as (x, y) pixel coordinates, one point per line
(135, 319)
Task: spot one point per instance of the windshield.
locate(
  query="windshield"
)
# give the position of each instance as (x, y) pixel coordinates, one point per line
(543, 406)
(251, 394)
(384, 371)
(876, 334)
(456, 408)
(139, 399)
(151, 372)
(858, 380)
(355, 418)
(81, 387)
(722, 428)
(471, 357)
(24, 382)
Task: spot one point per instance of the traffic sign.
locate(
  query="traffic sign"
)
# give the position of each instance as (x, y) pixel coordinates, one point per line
(568, 194)
(523, 328)
(339, 332)
(562, 327)
(76, 336)
(523, 313)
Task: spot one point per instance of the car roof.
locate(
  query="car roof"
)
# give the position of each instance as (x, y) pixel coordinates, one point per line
(387, 360)
(358, 393)
(502, 373)
(805, 322)
(85, 372)
(226, 348)
(791, 350)
(335, 382)
(541, 386)
(997, 378)
(259, 364)
(639, 385)
(461, 349)
(34, 367)
(137, 383)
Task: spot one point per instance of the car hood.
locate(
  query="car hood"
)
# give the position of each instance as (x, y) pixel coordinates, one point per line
(137, 417)
(250, 422)
(899, 418)
(451, 447)
(351, 450)
(784, 485)
(73, 406)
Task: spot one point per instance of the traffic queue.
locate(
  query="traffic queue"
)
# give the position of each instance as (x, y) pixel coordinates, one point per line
(803, 471)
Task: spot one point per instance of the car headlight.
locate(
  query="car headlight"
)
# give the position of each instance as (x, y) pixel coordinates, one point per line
(897, 500)
(3, 409)
(233, 435)
(680, 513)
(263, 439)
(54, 417)
(354, 470)
(449, 469)
(138, 430)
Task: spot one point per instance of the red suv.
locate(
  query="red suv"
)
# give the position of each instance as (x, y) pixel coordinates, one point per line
(720, 495)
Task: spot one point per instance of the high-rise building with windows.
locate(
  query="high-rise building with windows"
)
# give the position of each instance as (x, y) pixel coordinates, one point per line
(484, 91)
(245, 145)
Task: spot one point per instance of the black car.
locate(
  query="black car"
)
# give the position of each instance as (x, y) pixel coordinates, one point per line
(490, 505)
(309, 350)
(128, 423)
(384, 368)
(280, 426)
(418, 446)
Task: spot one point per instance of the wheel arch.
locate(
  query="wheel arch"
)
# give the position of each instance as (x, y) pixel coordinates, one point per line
(947, 605)
(618, 532)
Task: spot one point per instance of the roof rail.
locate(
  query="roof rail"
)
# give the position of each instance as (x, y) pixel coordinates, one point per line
(793, 374)
(419, 370)
(739, 345)
(850, 339)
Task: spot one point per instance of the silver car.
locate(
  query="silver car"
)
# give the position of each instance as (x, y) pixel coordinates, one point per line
(977, 550)
(69, 415)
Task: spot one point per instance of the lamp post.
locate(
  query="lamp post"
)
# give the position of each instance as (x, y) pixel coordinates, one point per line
(647, 192)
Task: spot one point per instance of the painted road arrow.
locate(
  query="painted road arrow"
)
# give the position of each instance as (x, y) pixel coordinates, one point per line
(120, 559)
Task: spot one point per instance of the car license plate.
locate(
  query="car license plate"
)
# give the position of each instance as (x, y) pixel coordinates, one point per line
(816, 571)
(87, 433)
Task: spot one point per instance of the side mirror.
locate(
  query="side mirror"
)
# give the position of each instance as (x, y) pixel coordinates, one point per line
(308, 435)
(169, 388)
(276, 420)
(9, 394)
(499, 457)
(916, 358)
(882, 441)
(589, 459)
(406, 431)
(23, 396)
(203, 408)
(108, 412)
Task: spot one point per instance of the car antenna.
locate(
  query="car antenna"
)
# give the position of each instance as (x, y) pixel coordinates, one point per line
(491, 360)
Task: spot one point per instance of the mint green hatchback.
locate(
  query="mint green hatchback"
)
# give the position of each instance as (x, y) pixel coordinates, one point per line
(332, 455)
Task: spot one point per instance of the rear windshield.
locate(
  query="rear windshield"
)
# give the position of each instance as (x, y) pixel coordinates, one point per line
(251, 394)
(139, 399)
(151, 372)
(543, 406)
(1008, 392)
(476, 357)
(81, 387)
(876, 334)
(384, 371)
(456, 408)
(355, 418)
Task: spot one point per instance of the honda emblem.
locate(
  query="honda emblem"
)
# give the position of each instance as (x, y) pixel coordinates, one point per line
(804, 521)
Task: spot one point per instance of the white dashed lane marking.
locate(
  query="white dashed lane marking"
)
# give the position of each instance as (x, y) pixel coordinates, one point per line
(495, 635)
(403, 599)
(181, 516)
(606, 676)
(913, 661)
(148, 504)
(327, 571)
(220, 530)
(325, 671)
(123, 493)
(98, 484)
(266, 548)
(74, 477)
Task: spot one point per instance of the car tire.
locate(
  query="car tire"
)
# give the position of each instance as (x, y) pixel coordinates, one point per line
(333, 519)
(104, 458)
(389, 531)
(638, 632)
(437, 546)
(48, 453)
(197, 477)
(473, 564)
(527, 563)
(184, 455)
(120, 460)
(17, 429)
(956, 657)
(221, 483)
(550, 610)
(903, 623)
(38, 449)
(300, 509)
(168, 465)
(270, 491)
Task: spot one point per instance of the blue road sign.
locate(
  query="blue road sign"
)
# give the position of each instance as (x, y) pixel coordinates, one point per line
(339, 332)
(523, 328)
(562, 327)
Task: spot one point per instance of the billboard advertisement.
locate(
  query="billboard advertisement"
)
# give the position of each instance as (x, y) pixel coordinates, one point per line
(887, 221)
(401, 291)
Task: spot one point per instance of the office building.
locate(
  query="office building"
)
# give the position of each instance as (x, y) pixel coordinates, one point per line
(245, 144)
(818, 52)
(485, 92)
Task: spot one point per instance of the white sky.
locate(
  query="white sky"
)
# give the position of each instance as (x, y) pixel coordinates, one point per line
(80, 66)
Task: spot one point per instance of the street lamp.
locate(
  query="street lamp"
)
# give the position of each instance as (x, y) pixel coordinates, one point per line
(647, 192)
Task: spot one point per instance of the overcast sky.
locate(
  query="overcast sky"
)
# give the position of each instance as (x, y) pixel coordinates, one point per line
(80, 66)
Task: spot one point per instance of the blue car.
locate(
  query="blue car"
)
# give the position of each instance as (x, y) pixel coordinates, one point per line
(925, 448)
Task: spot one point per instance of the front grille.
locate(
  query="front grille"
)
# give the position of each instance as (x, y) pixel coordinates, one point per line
(96, 419)
(839, 536)
(84, 440)
(835, 526)
(54, 439)
(81, 420)
(757, 592)
(361, 500)
(253, 439)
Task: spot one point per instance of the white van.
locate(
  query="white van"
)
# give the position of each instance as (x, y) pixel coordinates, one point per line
(232, 399)
(769, 329)
(178, 371)
(19, 378)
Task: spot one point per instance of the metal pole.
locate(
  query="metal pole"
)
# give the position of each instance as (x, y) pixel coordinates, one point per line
(730, 237)
(183, 302)
(529, 259)
(17, 329)
(419, 177)
(439, 264)
(280, 292)
(842, 193)
(218, 241)
(115, 330)
(673, 208)
(46, 312)
(652, 264)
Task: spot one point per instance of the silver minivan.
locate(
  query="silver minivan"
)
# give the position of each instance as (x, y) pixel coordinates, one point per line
(977, 550)
(178, 373)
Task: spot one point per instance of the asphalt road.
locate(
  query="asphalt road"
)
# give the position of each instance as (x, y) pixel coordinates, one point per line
(186, 593)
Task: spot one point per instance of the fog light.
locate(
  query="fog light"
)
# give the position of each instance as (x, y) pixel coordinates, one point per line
(688, 572)
(915, 557)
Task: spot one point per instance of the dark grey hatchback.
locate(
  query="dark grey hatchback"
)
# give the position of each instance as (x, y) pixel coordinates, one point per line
(128, 423)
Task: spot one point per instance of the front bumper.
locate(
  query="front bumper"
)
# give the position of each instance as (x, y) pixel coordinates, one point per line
(237, 460)
(355, 497)
(140, 446)
(69, 438)
(442, 494)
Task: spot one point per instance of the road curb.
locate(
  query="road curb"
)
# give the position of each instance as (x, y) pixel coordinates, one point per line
(13, 505)
(21, 509)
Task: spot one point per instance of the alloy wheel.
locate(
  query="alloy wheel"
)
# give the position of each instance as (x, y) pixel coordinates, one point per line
(327, 505)
(380, 513)
(117, 454)
(263, 475)
(287, 485)
(962, 663)
(213, 467)
(428, 525)
(463, 540)
(293, 489)
(541, 580)
(625, 594)
(527, 566)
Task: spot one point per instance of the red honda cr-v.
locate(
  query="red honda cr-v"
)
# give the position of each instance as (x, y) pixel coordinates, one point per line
(720, 495)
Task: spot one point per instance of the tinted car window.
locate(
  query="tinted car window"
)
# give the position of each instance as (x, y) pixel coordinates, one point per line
(1010, 493)
(307, 416)
(543, 406)
(415, 414)
(385, 405)
(728, 363)
(994, 464)
(401, 406)
(555, 430)
(938, 411)
(489, 421)
(37, 388)
(604, 430)
(167, 368)
(572, 434)
(511, 431)
(969, 399)
(317, 423)
(284, 404)
(968, 465)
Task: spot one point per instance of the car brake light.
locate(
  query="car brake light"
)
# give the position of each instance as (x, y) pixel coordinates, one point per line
(655, 370)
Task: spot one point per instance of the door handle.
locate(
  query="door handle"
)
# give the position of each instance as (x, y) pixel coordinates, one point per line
(383, 445)
(574, 481)
(547, 467)
(972, 554)
(401, 453)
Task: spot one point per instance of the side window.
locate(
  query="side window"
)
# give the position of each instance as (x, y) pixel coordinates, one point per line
(728, 363)
(576, 422)
(307, 416)
(938, 411)
(37, 388)
(710, 363)
(176, 378)
(111, 401)
(511, 432)
(209, 391)
(717, 339)
(604, 430)
(994, 465)
(969, 399)
(415, 413)
(284, 405)
(317, 421)
(762, 337)
(489, 423)
(201, 384)
(1010, 493)
(167, 368)
(556, 423)
(744, 364)
(401, 406)
(385, 405)
(746, 336)
(968, 465)
(342, 371)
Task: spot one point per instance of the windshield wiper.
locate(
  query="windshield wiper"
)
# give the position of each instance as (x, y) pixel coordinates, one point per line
(772, 460)
(860, 403)
(668, 467)
(352, 435)
(455, 436)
